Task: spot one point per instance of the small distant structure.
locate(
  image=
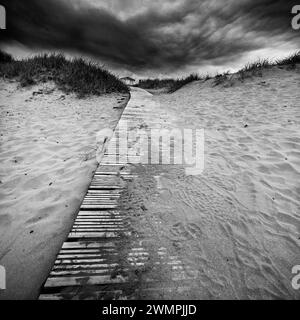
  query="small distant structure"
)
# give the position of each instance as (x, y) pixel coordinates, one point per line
(129, 81)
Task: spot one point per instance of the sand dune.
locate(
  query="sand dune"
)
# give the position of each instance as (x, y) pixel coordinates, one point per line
(47, 155)
(237, 225)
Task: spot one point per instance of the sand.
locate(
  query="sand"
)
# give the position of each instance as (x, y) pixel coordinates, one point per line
(243, 211)
(47, 155)
(236, 227)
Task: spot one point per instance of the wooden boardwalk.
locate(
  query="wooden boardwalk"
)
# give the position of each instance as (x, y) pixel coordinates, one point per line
(90, 264)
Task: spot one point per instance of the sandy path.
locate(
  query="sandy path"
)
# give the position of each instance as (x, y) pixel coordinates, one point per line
(47, 155)
(235, 227)
(238, 223)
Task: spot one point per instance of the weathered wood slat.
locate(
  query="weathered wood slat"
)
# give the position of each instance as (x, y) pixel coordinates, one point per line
(105, 187)
(84, 235)
(95, 203)
(84, 244)
(79, 261)
(86, 266)
(102, 196)
(75, 281)
(118, 226)
(81, 273)
(101, 212)
(102, 199)
(96, 207)
(87, 251)
(101, 222)
(106, 192)
(90, 220)
(95, 229)
(78, 255)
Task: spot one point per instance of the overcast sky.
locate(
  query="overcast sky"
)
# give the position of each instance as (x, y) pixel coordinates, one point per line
(153, 37)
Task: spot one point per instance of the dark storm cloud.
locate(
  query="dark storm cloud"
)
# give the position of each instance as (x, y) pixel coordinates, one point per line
(189, 33)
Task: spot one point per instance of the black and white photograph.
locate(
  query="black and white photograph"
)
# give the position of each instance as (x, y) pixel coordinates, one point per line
(149, 151)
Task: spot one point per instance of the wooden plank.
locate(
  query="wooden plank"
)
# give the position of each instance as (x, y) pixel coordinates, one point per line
(84, 235)
(99, 225)
(113, 173)
(104, 187)
(80, 272)
(75, 293)
(101, 212)
(110, 228)
(102, 167)
(100, 193)
(97, 230)
(104, 192)
(80, 261)
(83, 255)
(102, 200)
(88, 244)
(97, 217)
(87, 251)
(101, 203)
(102, 196)
(96, 207)
(90, 220)
(86, 266)
(78, 280)
(99, 222)
(152, 291)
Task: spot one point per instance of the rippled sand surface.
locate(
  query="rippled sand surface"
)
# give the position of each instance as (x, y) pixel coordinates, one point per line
(47, 156)
(236, 227)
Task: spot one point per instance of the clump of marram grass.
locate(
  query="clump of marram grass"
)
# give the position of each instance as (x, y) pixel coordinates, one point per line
(155, 83)
(291, 60)
(179, 83)
(207, 77)
(257, 65)
(170, 84)
(76, 75)
(221, 78)
(255, 69)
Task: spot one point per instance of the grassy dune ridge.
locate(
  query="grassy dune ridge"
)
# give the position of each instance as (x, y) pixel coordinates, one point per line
(76, 75)
(249, 70)
(172, 84)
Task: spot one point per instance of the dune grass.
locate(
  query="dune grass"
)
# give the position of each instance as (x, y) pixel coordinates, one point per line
(87, 78)
(255, 69)
(172, 85)
(221, 77)
(291, 60)
(155, 83)
(249, 70)
(179, 83)
(76, 75)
